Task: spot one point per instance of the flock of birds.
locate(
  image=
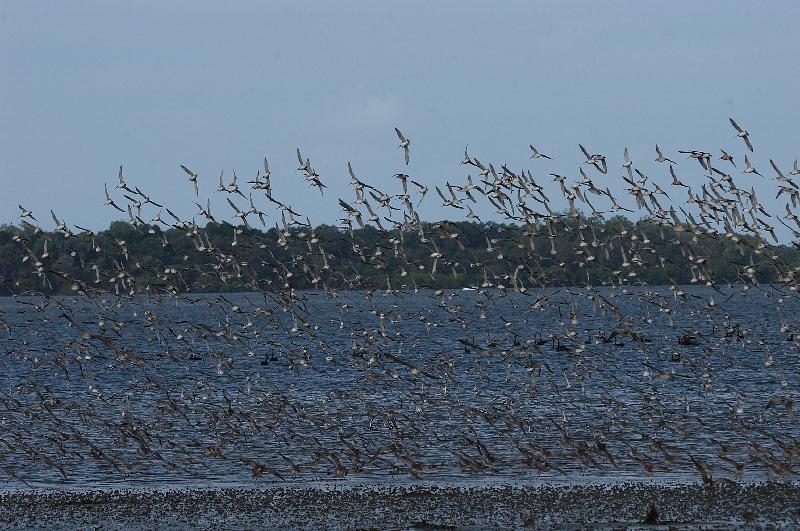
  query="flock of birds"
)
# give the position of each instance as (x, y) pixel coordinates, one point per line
(359, 377)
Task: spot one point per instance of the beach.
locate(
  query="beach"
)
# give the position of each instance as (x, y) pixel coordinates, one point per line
(410, 506)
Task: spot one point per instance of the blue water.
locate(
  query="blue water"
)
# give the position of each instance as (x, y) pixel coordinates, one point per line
(153, 391)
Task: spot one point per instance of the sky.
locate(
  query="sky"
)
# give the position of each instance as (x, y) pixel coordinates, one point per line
(89, 86)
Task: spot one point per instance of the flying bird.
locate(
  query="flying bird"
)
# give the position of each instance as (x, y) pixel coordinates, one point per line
(727, 156)
(748, 168)
(661, 158)
(192, 177)
(25, 213)
(404, 143)
(744, 135)
(536, 154)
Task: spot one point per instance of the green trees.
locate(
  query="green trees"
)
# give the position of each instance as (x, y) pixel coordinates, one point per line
(568, 251)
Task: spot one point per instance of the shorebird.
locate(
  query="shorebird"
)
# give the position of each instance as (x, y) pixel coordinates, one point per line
(361, 316)
(675, 180)
(726, 156)
(192, 177)
(536, 154)
(748, 168)
(110, 202)
(597, 160)
(25, 213)
(741, 133)
(404, 143)
(661, 158)
(701, 156)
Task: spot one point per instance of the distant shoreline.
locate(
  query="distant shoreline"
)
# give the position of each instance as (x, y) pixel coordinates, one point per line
(405, 291)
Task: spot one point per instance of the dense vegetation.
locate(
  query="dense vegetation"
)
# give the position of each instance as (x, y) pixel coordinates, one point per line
(574, 251)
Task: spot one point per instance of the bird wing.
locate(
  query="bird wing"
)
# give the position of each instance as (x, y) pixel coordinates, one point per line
(232, 205)
(347, 207)
(775, 167)
(672, 172)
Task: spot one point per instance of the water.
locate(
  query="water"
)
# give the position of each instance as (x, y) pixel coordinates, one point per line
(450, 387)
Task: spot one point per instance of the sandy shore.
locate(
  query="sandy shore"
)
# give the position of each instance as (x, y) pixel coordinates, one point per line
(409, 506)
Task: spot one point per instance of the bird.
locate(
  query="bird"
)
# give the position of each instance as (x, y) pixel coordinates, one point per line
(748, 168)
(25, 213)
(192, 177)
(661, 158)
(238, 213)
(390, 344)
(675, 180)
(536, 154)
(726, 156)
(702, 157)
(303, 164)
(597, 160)
(404, 143)
(352, 212)
(60, 225)
(453, 201)
(122, 184)
(110, 201)
(741, 133)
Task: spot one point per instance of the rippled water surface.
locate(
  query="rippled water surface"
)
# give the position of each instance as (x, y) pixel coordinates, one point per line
(455, 386)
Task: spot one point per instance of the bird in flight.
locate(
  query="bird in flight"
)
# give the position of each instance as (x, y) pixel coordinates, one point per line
(742, 133)
(661, 157)
(404, 143)
(25, 213)
(536, 154)
(192, 177)
(727, 156)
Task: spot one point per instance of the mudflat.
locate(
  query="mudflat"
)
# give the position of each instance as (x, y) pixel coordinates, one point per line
(410, 506)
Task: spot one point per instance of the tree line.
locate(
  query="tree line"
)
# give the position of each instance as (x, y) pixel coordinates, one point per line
(220, 257)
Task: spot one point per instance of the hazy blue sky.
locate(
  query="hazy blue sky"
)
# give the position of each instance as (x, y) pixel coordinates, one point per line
(87, 86)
